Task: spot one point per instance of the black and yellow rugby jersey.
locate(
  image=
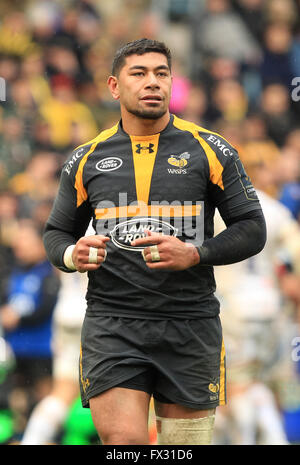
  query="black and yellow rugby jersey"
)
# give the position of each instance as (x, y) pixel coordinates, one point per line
(170, 183)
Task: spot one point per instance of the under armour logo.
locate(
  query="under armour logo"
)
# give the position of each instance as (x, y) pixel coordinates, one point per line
(140, 148)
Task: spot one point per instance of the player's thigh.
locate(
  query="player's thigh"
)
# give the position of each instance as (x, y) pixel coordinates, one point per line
(120, 416)
(170, 410)
(191, 368)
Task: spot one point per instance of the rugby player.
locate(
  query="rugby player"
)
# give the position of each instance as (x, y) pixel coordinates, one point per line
(152, 323)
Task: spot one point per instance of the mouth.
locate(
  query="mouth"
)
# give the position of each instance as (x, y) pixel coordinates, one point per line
(152, 98)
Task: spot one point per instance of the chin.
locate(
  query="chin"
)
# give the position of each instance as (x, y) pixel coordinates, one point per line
(150, 113)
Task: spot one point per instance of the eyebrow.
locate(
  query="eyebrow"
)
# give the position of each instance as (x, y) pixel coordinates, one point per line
(145, 67)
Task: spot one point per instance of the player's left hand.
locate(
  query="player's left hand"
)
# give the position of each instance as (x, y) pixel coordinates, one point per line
(173, 253)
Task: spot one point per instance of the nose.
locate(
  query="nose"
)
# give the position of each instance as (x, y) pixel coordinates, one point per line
(152, 81)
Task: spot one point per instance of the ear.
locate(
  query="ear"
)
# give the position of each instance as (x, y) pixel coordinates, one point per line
(113, 86)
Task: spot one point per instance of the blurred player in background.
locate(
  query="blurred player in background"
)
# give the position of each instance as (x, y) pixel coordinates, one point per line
(27, 311)
(48, 417)
(253, 318)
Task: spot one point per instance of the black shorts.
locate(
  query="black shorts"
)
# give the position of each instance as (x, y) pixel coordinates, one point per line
(176, 361)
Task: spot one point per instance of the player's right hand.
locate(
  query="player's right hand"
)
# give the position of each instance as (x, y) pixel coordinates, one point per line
(81, 252)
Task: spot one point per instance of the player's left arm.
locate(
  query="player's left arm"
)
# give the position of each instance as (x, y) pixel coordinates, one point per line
(244, 237)
(231, 191)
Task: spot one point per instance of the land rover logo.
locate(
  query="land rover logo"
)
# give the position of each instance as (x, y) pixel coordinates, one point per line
(124, 233)
(109, 164)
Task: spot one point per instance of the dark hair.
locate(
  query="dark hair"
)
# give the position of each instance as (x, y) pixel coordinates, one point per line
(139, 47)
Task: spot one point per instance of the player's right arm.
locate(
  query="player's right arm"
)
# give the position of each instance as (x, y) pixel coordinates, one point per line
(64, 237)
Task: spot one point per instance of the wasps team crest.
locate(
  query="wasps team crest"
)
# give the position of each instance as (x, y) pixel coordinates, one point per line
(214, 387)
(180, 161)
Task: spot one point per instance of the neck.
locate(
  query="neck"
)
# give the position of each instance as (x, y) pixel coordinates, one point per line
(136, 126)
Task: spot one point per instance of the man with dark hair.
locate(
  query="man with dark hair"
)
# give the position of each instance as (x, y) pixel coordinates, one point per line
(151, 184)
(139, 47)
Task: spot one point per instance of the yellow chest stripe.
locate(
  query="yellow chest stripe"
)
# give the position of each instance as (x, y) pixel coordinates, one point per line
(143, 210)
(144, 150)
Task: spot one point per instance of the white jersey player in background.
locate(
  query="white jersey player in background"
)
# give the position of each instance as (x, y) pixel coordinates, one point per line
(254, 324)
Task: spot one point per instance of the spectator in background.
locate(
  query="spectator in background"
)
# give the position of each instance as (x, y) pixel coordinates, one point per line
(15, 149)
(15, 35)
(220, 68)
(233, 131)
(70, 121)
(230, 100)
(61, 59)
(195, 106)
(33, 71)
(94, 97)
(88, 26)
(37, 183)
(276, 63)
(26, 314)
(68, 27)
(9, 67)
(293, 141)
(43, 19)
(251, 12)
(41, 136)
(96, 62)
(235, 41)
(260, 149)
(281, 11)
(22, 103)
(287, 168)
(276, 110)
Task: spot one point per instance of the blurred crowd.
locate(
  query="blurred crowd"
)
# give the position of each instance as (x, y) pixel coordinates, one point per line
(236, 64)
